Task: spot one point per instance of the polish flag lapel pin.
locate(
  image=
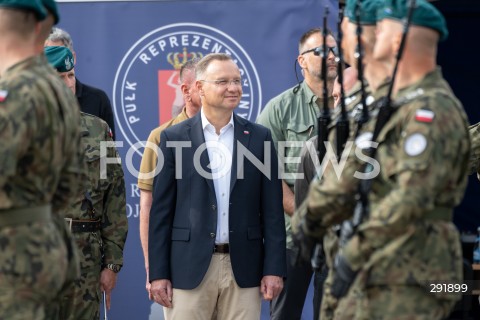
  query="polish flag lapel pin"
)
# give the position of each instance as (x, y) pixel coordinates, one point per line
(424, 115)
(3, 95)
(246, 132)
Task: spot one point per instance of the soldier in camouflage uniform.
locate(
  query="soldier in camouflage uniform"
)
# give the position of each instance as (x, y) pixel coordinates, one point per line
(97, 215)
(40, 167)
(377, 74)
(73, 269)
(407, 241)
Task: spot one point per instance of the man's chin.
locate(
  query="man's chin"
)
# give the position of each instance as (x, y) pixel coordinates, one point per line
(331, 75)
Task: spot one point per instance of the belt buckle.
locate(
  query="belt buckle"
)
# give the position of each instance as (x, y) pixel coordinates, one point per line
(69, 223)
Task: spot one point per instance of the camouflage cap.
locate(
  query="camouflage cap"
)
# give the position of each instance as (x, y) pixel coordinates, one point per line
(368, 11)
(32, 5)
(424, 15)
(51, 6)
(61, 58)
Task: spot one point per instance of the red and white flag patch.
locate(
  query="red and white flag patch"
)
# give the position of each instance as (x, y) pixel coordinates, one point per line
(423, 115)
(3, 95)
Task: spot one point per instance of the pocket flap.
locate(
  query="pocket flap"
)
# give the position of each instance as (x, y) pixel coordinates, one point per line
(91, 153)
(298, 127)
(180, 234)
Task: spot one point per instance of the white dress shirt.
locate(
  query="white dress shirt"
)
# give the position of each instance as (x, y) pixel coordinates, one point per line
(220, 153)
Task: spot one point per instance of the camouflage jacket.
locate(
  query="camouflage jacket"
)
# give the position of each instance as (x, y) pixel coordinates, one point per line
(107, 193)
(39, 134)
(308, 163)
(474, 131)
(422, 159)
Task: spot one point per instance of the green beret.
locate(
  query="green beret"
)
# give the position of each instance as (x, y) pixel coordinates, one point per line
(424, 15)
(51, 6)
(32, 5)
(368, 11)
(61, 58)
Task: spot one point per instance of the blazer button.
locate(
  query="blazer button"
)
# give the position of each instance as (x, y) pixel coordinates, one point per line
(214, 207)
(212, 235)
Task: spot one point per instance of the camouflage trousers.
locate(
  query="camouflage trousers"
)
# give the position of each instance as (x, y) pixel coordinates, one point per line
(82, 300)
(329, 302)
(33, 270)
(392, 303)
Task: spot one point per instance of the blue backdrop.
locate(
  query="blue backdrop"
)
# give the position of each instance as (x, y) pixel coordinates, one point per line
(131, 50)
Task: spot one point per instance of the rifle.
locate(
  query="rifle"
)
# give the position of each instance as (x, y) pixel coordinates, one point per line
(324, 119)
(364, 117)
(342, 125)
(317, 259)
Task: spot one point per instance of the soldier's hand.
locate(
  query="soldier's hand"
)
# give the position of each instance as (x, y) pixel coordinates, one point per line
(303, 247)
(162, 292)
(108, 279)
(343, 277)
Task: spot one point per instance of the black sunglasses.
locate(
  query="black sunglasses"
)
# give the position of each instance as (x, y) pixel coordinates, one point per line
(318, 51)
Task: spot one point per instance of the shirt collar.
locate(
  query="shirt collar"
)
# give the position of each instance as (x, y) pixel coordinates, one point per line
(311, 97)
(207, 125)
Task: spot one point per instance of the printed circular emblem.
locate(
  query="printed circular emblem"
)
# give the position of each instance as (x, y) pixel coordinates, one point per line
(415, 144)
(364, 140)
(146, 86)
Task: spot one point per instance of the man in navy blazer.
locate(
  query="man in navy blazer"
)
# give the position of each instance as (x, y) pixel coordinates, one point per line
(217, 235)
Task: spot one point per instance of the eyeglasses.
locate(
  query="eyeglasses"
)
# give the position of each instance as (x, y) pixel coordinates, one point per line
(225, 83)
(318, 51)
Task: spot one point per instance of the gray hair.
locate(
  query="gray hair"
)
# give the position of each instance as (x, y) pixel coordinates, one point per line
(60, 35)
(203, 64)
(188, 66)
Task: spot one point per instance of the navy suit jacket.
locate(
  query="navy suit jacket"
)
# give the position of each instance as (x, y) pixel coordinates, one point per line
(183, 217)
(95, 101)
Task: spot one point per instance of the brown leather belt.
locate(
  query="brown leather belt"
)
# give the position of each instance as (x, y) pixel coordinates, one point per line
(221, 248)
(84, 225)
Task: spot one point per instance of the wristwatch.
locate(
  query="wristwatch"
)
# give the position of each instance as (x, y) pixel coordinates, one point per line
(114, 267)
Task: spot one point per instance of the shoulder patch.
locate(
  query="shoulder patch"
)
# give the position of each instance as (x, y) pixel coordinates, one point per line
(364, 140)
(415, 144)
(3, 95)
(424, 115)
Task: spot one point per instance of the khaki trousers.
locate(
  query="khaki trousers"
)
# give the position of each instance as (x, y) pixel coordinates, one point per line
(217, 297)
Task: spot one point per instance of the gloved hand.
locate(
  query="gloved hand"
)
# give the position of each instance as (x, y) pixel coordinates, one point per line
(344, 277)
